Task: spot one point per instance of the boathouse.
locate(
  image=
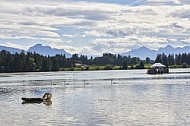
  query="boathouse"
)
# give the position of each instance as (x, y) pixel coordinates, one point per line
(157, 68)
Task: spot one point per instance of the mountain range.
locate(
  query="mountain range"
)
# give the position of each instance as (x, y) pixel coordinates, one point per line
(47, 50)
(38, 48)
(141, 52)
(144, 52)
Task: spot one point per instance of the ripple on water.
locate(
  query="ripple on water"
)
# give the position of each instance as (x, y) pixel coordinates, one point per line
(137, 100)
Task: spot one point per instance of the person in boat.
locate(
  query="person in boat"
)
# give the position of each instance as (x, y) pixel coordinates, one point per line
(46, 99)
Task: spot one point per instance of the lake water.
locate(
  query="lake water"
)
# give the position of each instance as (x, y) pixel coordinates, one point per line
(96, 98)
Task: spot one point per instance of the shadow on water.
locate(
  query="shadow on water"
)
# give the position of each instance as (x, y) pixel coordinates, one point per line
(47, 103)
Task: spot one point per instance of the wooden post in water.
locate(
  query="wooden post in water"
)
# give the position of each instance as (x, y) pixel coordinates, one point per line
(64, 83)
(51, 82)
(84, 82)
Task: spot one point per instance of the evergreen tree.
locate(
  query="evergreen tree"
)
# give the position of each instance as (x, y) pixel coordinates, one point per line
(184, 58)
(158, 59)
(178, 59)
(124, 66)
(164, 60)
(171, 60)
(55, 65)
(45, 66)
(141, 66)
(147, 60)
(188, 59)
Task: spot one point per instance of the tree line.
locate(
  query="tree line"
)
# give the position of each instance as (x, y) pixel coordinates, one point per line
(177, 59)
(32, 62)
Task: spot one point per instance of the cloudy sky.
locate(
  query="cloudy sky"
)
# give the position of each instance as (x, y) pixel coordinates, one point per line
(93, 27)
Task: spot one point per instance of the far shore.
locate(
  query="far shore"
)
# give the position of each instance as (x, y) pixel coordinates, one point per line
(110, 67)
(106, 67)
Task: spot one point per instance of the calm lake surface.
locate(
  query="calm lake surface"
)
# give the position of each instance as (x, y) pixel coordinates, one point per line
(96, 98)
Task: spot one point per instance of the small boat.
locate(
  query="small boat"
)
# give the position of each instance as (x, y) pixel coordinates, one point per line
(45, 98)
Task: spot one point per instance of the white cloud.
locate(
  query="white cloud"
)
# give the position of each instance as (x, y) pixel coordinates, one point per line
(10, 44)
(68, 35)
(102, 27)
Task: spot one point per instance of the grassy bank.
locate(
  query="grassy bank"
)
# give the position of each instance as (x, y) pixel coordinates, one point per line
(110, 67)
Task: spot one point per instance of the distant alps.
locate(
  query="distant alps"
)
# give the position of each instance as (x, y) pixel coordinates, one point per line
(38, 48)
(142, 52)
(47, 50)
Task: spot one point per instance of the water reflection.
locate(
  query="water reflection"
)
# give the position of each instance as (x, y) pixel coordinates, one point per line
(140, 88)
(47, 103)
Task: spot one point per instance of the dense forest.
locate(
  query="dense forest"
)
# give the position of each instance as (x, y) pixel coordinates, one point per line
(171, 59)
(31, 62)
